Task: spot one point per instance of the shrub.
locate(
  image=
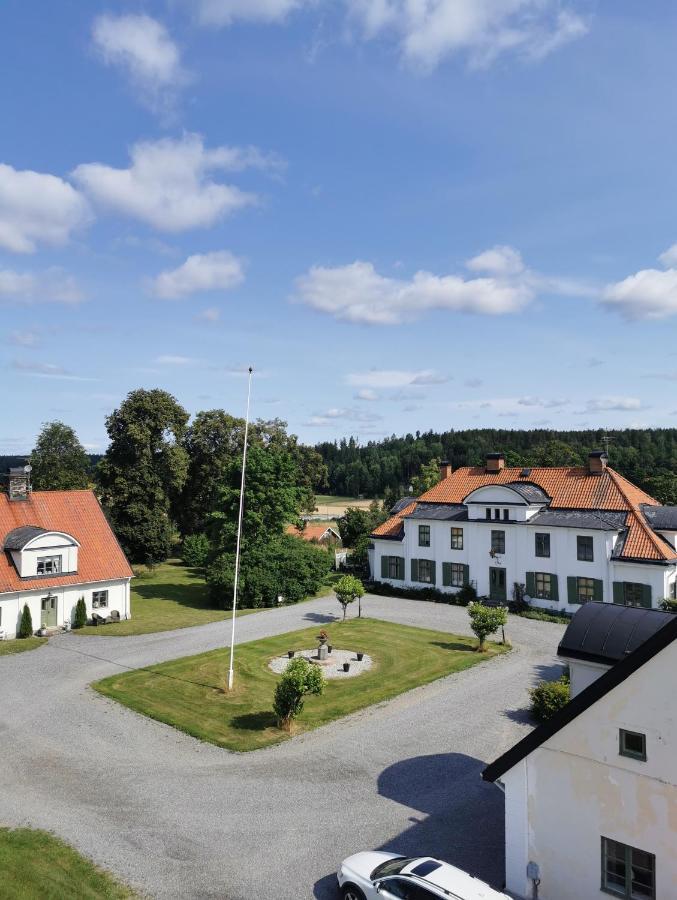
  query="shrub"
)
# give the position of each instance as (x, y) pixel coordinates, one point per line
(549, 697)
(26, 625)
(465, 596)
(348, 589)
(196, 550)
(428, 593)
(543, 615)
(80, 618)
(299, 678)
(485, 620)
(669, 605)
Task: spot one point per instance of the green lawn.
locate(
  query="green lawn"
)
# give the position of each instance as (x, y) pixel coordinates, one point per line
(37, 866)
(167, 597)
(188, 693)
(20, 645)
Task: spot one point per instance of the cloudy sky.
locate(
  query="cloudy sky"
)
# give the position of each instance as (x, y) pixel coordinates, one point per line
(405, 214)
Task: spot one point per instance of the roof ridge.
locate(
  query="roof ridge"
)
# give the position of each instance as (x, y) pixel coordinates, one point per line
(636, 512)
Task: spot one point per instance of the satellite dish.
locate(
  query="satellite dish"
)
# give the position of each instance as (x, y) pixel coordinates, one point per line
(28, 469)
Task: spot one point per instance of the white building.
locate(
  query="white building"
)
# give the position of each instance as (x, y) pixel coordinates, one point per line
(569, 535)
(591, 795)
(57, 547)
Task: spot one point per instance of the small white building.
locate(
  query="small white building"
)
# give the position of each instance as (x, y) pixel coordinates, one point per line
(57, 547)
(568, 535)
(591, 795)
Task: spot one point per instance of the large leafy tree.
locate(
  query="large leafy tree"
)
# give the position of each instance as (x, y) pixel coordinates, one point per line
(59, 460)
(143, 472)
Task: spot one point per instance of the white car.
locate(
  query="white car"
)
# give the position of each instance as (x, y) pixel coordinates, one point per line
(372, 874)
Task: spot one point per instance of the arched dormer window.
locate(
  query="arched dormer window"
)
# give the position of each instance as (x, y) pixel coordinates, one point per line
(39, 553)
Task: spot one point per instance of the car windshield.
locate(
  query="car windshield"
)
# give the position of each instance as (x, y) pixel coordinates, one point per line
(392, 866)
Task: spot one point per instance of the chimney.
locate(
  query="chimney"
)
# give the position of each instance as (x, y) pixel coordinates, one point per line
(495, 462)
(445, 469)
(19, 483)
(597, 462)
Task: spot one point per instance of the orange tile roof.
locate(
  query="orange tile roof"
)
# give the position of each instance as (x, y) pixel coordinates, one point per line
(311, 532)
(568, 488)
(78, 513)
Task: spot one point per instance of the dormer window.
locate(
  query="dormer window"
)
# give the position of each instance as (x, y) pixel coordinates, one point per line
(48, 565)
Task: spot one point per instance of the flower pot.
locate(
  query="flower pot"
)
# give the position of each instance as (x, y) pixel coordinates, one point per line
(346, 667)
(329, 648)
(360, 657)
(290, 653)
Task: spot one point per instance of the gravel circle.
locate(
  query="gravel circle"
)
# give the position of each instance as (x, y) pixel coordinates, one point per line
(332, 667)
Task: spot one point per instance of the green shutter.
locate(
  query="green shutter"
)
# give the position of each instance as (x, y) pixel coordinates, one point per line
(466, 575)
(619, 592)
(446, 574)
(414, 570)
(531, 584)
(572, 589)
(646, 588)
(598, 594)
(432, 571)
(554, 588)
(384, 566)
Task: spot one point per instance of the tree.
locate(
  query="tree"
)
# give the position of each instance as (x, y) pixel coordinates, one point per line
(299, 679)
(59, 460)
(357, 522)
(485, 620)
(143, 472)
(80, 618)
(196, 550)
(348, 589)
(26, 625)
(427, 478)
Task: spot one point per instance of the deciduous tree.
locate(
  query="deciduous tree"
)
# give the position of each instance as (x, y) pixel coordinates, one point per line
(349, 589)
(299, 679)
(59, 460)
(485, 620)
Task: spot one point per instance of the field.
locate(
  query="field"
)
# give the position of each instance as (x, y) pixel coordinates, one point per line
(189, 693)
(331, 507)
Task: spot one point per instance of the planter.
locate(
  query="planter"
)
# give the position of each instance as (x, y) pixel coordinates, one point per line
(329, 648)
(290, 653)
(360, 656)
(346, 667)
(42, 632)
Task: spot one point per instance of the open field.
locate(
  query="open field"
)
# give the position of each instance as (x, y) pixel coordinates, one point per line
(20, 645)
(188, 693)
(35, 865)
(332, 507)
(167, 597)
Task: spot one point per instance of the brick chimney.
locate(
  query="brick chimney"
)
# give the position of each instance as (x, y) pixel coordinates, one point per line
(597, 462)
(445, 469)
(495, 462)
(19, 483)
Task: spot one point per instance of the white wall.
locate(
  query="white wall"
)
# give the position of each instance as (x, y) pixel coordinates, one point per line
(49, 544)
(576, 788)
(583, 673)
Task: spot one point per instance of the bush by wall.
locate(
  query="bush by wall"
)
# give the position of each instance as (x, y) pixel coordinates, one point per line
(461, 598)
(669, 605)
(80, 618)
(26, 626)
(549, 697)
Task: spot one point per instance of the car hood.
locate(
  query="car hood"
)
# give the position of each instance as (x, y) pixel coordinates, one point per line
(364, 863)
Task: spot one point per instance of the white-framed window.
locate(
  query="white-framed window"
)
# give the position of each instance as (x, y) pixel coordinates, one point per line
(100, 599)
(49, 565)
(456, 538)
(543, 585)
(425, 571)
(457, 572)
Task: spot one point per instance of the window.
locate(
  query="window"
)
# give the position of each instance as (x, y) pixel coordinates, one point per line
(498, 541)
(456, 538)
(395, 567)
(488, 512)
(542, 544)
(632, 744)
(585, 589)
(99, 599)
(627, 872)
(497, 514)
(49, 565)
(425, 571)
(506, 514)
(405, 889)
(634, 594)
(457, 570)
(543, 585)
(584, 548)
(424, 535)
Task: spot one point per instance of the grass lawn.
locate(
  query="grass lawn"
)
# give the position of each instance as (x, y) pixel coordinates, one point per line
(188, 693)
(34, 864)
(167, 597)
(20, 645)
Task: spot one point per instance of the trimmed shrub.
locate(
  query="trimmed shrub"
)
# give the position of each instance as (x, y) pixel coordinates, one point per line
(299, 678)
(542, 615)
(26, 626)
(348, 589)
(549, 697)
(485, 620)
(196, 550)
(669, 605)
(429, 593)
(80, 619)
(465, 596)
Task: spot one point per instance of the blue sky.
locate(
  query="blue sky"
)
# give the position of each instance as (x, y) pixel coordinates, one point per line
(406, 214)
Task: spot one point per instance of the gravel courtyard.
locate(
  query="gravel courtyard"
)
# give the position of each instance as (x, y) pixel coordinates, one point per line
(177, 818)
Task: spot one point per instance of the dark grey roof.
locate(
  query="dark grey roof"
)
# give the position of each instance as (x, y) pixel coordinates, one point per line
(401, 504)
(606, 632)
(19, 537)
(531, 492)
(581, 518)
(616, 675)
(661, 518)
(444, 512)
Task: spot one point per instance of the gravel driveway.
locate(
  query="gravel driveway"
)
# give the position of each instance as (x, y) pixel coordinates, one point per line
(177, 818)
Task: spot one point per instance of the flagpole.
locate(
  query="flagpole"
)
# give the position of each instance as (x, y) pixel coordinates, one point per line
(239, 533)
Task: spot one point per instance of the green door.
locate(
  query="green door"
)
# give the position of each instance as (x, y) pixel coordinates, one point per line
(48, 607)
(497, 589)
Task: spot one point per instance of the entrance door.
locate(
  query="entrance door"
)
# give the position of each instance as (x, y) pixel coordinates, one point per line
(48, 606)
(497, 589)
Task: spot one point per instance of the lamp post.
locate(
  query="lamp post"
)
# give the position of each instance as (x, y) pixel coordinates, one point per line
(239, 532)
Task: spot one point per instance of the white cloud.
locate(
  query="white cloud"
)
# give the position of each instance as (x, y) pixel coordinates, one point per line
(218, 271)
(169, 360)
(648, 294)
(367, 394)
(538, 401)
(348, 414)
(36, 208)
(169, 185)
(616, 404)
(393, 378)
(51, 286)
(500, 260)
(142, 48)
(211, 314)
(45, 370)
(669, 257)
(473, 382)
(24, 338)
(224, 12)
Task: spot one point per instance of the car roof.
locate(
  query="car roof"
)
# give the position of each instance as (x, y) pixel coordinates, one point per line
(452, 881)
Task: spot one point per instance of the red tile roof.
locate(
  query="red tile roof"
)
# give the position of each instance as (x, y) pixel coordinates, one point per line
(78, 513)
(569, 488)
(310, 532)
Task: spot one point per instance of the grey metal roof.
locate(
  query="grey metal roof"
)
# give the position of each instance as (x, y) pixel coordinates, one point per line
(401, 504)
(581, 518)
(19, 537)
(661, 518)
(531, 492)
(608, 632)
(444, 512)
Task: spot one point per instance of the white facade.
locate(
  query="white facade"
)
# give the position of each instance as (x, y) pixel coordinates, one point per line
(576, 788)
(520, 556)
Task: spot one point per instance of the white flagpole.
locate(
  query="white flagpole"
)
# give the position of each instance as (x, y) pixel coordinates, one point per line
(239, 533)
